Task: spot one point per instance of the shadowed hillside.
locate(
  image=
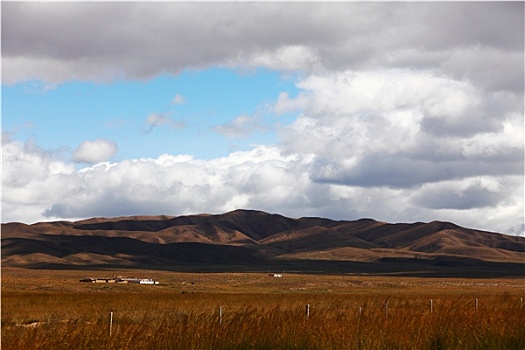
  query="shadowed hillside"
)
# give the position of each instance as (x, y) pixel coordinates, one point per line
(254, 240)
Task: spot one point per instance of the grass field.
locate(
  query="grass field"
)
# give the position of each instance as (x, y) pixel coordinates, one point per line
(51, 309)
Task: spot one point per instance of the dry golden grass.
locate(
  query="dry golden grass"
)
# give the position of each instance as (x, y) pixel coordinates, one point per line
(52, 310)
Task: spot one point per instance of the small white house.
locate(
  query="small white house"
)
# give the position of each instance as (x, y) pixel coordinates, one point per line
(148, 281)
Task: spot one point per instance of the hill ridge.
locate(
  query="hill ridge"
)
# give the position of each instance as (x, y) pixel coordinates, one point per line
(257, 238)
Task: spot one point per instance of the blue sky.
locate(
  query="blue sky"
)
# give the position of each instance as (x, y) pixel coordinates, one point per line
(400, 112)
(190, 108)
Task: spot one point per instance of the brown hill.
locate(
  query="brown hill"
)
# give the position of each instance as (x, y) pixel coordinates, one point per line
(247, 239)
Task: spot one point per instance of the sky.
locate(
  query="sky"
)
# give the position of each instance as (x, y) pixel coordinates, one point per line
(400, 112)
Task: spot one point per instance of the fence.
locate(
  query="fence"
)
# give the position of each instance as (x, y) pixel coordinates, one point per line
(221, 313)
(387, 309)
(314, 322)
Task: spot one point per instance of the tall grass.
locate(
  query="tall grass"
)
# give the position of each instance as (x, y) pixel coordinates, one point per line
(51, 320)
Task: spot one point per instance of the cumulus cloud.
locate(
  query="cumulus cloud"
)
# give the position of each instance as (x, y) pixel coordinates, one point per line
(37, 186)
(152, 39)
(95, 151)
(462, 195)
(401, 128)
(293, 57)
(285, 104)
(168, 184)
(31, 177)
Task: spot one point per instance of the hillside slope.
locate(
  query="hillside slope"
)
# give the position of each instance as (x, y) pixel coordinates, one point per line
(254, 240)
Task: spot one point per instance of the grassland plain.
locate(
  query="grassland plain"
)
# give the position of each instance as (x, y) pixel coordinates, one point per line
(51, 309)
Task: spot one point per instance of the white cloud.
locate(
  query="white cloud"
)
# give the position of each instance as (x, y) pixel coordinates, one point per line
(461, 194)
(172, 184)
(95, 151)
(37, 186)
(483, 66)
(157, 119)
(464, 40)
(285, 104)
(401, 128)
(293, 57)
(177, 100)
(242, 126)
(31, 177)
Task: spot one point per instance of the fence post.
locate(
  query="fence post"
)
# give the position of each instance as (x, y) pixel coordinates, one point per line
(110, 322)
(521, 303)
(307, 310)
(431, 306)
(386, 308)
(220, 314)
(476, 304)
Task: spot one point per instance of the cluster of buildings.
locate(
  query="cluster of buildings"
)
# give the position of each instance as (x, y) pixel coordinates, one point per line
(120, 280)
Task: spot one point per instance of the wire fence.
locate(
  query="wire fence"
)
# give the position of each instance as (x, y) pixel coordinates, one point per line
(307, 311)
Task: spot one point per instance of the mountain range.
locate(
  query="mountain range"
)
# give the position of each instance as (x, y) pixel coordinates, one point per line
(249, 240)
